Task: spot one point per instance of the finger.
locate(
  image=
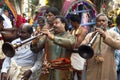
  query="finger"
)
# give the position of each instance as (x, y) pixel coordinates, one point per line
(4, 78)
(23, 74)
(95, 28)
(23, 78)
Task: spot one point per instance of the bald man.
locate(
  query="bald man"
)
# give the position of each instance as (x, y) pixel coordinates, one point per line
(24, 63)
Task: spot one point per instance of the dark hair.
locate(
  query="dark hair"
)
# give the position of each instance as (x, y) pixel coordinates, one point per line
(40, 18)
(63, 20)
(24, 14)
(28, 26)
(30, 30)
(53, 10)
(118, 20)
(75, 18)
(1, 18)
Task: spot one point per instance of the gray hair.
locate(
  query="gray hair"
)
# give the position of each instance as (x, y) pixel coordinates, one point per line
(102, 14)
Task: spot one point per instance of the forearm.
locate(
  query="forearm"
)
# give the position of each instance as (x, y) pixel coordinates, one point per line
(6, 65)
(37, 46)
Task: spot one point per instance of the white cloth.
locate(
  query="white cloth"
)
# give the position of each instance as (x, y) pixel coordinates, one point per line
(15, 70)
(23, 57)
(77, 61)
(2, 56)
(7, 22)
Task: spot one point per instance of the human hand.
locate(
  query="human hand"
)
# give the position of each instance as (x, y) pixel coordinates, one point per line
(34, 41)
(27, 74)
(101, 32)
(3, 76)
(47, 33)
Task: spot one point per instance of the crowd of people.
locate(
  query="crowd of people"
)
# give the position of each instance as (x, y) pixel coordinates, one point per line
(51, 55)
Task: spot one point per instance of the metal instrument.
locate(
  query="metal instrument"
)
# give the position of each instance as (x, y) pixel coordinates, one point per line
(9, 49)
(86, 51)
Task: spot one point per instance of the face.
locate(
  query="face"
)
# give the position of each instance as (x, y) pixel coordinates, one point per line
(23, 34)
(101, 21)
(73, 23)
(41, 23)
(58, 25)
(50, 17)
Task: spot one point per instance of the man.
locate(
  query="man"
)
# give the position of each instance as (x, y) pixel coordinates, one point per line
(57, 48)
(117, 52)
(10, 31)
(41, 23)
(7, 22)
(2, 56)
(50, 14)
(24, 63)
(102, 65)
(79, 32)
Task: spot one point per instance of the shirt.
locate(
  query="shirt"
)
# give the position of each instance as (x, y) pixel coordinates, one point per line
(55, 49)
(6, 23)
(117, 52)
(23, 57)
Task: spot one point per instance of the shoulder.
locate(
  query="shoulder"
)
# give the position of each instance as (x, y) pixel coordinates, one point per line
(84, 30)
(68, 35)
(3, 15)
(89, 34)
(16, 41)
(113, 28)
(112, 33)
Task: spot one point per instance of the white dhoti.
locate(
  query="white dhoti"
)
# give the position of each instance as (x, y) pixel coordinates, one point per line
(77, 61)
(16, 71)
